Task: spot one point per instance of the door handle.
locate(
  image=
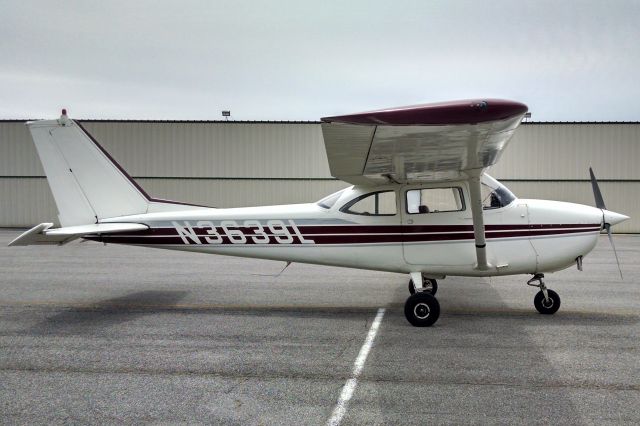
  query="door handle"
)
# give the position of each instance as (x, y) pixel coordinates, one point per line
(409, 221)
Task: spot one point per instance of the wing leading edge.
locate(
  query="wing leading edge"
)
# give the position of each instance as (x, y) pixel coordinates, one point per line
(430, 142)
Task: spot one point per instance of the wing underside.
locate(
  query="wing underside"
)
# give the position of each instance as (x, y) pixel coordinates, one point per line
(433, 142)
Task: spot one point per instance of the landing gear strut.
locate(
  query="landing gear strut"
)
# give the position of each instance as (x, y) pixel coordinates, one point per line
(422, 308)
(428, 284)
(546, 301)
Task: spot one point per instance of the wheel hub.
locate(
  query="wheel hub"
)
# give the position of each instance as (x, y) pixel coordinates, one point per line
(548, 303)
(421, 310)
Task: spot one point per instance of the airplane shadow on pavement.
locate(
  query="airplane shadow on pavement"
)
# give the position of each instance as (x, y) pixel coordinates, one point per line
(108, 312)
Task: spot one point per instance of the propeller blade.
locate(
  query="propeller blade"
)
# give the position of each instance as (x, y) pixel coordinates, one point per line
(608, 228)
(596, 191)
(600, 204)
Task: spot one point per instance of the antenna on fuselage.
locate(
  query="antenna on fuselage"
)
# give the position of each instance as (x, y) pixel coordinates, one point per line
(276, 275)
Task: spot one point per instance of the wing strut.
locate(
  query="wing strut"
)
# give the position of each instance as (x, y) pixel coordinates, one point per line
(475, 194)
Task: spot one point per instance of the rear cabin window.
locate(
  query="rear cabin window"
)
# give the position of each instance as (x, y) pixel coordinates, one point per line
(434, 200)
(373, 204)
(328, 201)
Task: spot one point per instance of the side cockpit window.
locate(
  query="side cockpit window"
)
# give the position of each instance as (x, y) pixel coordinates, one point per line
(434, 200)
(372, 204)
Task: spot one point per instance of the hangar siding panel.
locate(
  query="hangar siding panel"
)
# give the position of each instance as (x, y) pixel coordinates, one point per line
(26, 202)
(18, 156)
(565, 151)
(296, 151)
(290, 150)
(271, 150)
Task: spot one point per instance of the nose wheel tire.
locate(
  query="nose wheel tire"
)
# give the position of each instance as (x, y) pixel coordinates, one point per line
(547, 306)
(429, 285)
(422, 309)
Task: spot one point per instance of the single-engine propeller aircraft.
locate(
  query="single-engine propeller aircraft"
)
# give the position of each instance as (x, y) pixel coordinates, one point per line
(421, 204)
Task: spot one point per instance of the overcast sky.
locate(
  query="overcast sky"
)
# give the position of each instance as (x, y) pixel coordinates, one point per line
(301, 60)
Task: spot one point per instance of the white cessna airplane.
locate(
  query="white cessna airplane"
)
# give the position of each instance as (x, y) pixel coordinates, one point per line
(421, 204)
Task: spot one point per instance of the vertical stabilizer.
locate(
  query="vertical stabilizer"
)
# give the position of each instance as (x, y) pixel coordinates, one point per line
(86, 183)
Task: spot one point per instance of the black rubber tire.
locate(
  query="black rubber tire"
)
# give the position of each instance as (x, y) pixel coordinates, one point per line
(422, 309)
(425, 282)
(544, 307)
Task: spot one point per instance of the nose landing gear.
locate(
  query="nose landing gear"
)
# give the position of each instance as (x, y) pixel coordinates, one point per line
(546, 301)
(422, 308)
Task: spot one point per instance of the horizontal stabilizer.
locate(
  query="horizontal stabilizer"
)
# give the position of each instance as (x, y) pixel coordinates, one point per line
(43, 234)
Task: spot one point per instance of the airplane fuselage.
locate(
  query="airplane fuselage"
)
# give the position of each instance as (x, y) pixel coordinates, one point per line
(525, 236)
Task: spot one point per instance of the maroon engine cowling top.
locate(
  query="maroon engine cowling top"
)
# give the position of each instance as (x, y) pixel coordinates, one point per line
(439, 113)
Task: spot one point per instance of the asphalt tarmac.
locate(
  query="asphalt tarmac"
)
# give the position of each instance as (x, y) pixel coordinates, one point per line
(112, 334)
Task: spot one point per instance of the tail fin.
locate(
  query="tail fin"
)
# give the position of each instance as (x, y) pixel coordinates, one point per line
(87, 184)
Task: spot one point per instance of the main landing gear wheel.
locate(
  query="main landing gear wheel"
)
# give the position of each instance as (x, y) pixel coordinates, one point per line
(429, 286)
(548, 305)
(546, 301)
(422, 309)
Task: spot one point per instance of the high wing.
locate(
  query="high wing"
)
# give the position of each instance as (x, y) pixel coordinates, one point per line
(430, 142)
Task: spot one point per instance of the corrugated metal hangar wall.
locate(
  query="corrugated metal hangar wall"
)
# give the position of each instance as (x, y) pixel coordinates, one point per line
(226, 164)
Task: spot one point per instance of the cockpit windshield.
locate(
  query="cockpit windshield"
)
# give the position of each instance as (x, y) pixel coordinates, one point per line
(328, 201)
(494, 194)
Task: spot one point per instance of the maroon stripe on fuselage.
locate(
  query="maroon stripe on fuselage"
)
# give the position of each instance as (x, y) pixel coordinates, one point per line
(169, 236)
(374, 229)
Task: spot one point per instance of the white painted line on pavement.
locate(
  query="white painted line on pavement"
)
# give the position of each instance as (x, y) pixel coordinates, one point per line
(358, 365)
